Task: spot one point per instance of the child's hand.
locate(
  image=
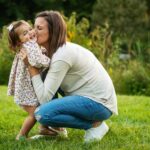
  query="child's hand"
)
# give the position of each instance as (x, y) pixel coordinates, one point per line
(23, 56)
(32, 70)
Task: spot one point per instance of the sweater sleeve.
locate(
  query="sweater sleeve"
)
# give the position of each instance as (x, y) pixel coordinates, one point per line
(35, 56)
(45, 91)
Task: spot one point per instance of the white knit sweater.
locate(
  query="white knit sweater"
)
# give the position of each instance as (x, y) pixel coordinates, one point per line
(77, 71)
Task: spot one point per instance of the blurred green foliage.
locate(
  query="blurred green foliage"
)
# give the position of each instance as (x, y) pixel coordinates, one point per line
(26, 9)
(126, 18)
(6, 57)
(107, 39)
(132, 78)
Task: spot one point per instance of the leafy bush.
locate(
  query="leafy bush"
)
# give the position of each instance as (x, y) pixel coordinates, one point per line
(129, 76)
(132, 79)
(6, 57)
(78, 32)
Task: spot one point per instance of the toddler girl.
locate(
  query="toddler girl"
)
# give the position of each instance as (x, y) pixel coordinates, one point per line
(21, 35)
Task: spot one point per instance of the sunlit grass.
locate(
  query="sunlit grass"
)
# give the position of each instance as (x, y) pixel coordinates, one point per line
(128, 131)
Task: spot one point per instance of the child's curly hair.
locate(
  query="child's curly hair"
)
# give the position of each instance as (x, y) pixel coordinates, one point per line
(13, 37)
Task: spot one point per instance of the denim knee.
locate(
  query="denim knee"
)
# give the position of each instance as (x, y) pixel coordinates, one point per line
(43, 117)
(37, 113)
(39, 116)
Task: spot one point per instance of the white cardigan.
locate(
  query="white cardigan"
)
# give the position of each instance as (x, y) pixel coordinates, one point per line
(77, 71)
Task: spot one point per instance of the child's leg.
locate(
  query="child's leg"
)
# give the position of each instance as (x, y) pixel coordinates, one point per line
(28, 122)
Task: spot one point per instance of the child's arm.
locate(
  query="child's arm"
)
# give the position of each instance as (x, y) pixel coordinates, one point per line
(35, 56)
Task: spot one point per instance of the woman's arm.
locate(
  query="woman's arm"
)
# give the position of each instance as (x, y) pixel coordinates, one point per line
(45, 91)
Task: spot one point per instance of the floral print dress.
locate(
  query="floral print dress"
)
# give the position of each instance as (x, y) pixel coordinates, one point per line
(20, 85)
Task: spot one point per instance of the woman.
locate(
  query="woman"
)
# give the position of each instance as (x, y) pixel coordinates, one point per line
(90, 96)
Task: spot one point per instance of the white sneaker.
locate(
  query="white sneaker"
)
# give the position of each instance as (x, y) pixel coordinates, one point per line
(97, 133)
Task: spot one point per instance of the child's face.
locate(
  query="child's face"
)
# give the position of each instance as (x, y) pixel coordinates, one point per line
(26, 33)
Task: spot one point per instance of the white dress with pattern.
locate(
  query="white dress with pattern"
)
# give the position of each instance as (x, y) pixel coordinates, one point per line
(19, 84)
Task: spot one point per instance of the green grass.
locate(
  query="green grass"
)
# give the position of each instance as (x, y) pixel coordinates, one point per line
(130, 130)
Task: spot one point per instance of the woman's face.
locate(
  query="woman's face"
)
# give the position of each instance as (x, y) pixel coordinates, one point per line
(41, 28)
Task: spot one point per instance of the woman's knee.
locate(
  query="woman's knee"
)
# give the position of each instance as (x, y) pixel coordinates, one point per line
(38, 114)
(43, 116)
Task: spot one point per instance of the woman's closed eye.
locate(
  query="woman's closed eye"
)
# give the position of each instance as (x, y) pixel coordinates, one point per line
(39, 28)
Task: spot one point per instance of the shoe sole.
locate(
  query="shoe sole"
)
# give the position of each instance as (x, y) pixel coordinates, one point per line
(97, 139)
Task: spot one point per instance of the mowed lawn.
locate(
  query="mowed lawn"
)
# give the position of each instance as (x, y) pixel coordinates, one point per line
(130, 130)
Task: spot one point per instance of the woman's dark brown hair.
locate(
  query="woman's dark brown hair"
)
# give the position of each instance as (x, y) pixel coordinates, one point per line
(13, 37)
(57, 30)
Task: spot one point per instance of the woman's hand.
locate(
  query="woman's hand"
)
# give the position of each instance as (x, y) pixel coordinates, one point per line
(32, 70)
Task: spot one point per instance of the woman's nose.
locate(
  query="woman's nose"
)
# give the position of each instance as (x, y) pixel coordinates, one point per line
(36, 32)
(35, 29)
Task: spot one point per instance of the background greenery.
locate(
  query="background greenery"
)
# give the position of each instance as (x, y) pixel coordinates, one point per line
(110, 29)
(130, 130)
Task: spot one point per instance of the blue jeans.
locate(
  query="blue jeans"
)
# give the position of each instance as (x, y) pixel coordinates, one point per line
(71, 111)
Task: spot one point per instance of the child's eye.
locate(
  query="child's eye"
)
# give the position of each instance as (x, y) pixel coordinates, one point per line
(25, 32)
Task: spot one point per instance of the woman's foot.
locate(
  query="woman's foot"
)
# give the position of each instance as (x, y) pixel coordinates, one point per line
(52, 131)
(96, 133)
(47, 131)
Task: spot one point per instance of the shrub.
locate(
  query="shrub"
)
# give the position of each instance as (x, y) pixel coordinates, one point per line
(129, 77)
(78, 32)
(132, 79)
(6, 57)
